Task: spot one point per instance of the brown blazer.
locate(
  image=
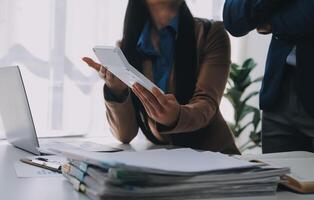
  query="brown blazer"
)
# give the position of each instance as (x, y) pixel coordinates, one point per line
(202, 113)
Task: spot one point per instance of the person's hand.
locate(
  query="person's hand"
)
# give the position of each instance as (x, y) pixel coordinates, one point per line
(113, 83)
(163, 108)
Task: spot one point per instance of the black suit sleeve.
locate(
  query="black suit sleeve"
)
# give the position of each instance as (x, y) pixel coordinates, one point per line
(242, 16)
(294, 22)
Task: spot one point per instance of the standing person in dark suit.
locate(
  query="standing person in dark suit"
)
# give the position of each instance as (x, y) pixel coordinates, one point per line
(287, 94)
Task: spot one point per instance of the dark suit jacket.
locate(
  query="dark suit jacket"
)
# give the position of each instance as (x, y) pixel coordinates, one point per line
(292, 25)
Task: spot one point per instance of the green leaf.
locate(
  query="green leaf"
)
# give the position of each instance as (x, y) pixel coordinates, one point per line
(241, 86)
(256, 137)
(256, 118)
(249, 64)
(234, 71)
(230, 83)
(250, 95)
(259, 79)
(246, 69)
(245, 111)
(234, 96)
(243, 128)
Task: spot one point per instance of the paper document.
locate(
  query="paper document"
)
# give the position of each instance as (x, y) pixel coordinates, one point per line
(114, 60)
(178, 161)
(24, 170)
(302, 172)
(301, 163)
(168, 174)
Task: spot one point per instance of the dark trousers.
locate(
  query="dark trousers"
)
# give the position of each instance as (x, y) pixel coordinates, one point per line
(287, 127)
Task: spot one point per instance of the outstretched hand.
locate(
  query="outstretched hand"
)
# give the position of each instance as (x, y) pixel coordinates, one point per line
(112, 82)
(163, 108)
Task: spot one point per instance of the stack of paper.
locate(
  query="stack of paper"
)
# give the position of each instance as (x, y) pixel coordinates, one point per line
(168, 174)
(301, 164)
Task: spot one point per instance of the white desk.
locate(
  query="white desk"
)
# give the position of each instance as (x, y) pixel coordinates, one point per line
(57, 188)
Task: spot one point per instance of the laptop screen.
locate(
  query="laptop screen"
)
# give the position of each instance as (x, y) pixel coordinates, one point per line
(15, 112)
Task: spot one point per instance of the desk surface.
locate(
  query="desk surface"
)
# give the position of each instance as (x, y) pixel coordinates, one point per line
(13, 188)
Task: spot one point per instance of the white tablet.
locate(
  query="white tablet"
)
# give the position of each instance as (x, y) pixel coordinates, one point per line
(114, 60)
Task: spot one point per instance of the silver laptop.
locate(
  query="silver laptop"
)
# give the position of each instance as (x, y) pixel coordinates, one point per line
(17, 117)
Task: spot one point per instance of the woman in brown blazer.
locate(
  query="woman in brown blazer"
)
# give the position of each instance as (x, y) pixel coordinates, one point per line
(189, 59)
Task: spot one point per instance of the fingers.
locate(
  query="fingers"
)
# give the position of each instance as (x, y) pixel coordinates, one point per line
(90, 62)
(147, 106)
(149, 96)
(103, 73)
(170, 97)
(149, 100)
(159, 96)
(106, 74)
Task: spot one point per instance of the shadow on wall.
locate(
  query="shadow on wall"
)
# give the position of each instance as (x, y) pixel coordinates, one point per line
(43, 69)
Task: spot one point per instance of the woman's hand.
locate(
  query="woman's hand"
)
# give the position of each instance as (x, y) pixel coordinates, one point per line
(113, 83)
(163, 108)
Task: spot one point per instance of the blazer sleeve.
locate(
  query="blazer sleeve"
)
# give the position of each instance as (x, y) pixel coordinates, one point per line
(211, 82)
(294, 22)
(121, 116)
(242, 16)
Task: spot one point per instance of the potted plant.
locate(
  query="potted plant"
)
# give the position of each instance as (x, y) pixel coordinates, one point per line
(246, 117)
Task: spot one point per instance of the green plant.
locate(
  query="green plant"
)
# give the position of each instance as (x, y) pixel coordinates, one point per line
(245, 115)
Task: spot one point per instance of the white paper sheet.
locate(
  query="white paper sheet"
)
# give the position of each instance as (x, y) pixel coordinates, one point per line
(301, 163)
(114, 60)
(24, 170)
(162, 160)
